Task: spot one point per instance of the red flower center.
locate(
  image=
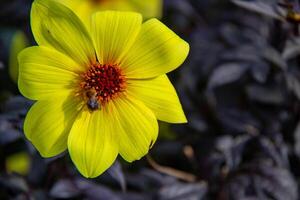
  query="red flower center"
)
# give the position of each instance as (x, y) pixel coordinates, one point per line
(102, 83)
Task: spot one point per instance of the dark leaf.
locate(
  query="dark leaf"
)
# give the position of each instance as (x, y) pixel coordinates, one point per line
(181, 191)
(92, 191)
(260, 71)
(115, 171)
(17, 104)
(297, 140)
(7, 133)
(238, 121)
(242, 53)
(227, 73)
(274, 57)
(292, 49)
(135, 196)
(151, 179)
(260, 7)
(13, 183)
(269, 95)
(260, 182)
(64, 189)
(293, 83)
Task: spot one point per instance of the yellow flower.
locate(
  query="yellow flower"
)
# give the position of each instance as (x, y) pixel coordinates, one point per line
(100, 92)
(19, 163)
(18, 43)
(84, 8)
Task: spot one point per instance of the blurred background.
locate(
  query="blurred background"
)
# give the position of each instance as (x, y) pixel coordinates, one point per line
(240, 89)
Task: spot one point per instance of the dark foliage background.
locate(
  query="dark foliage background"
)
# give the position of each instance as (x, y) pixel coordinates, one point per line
(240, 88)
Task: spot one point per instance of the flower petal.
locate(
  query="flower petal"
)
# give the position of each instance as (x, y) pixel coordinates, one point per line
(45, 72)
(18, 43)
(156, 51)
(114, 33)
(83, 9)
(149, 8)
(92, 144)
(138, 127)
(55, 25)
(48, 123)
(159, 95)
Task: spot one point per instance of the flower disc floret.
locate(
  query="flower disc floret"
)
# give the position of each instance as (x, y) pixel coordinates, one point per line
(102, 83)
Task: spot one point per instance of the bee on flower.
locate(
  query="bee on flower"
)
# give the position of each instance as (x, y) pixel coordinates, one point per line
(99, 91)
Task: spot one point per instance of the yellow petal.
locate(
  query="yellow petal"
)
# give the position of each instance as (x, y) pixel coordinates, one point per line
(72, 4)
(45, 72)
(136, 126)
(114, 33)
(149, 8)
(19, 42)
(156, 51)
(82, 8)
(55, 25)
(159, 95)
(48, 123)
(92, 144)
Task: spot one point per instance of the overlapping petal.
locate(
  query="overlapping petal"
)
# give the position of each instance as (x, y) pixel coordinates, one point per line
(48, 123)
(54, 25)
(136, 126)
(149, 8)
(45, 73)
(18, 43)
(156, 51)
(159, 95)
(84, 8)
(114, 33)
(92, 142)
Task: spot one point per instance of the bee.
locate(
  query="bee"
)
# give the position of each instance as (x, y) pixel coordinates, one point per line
(92, 101)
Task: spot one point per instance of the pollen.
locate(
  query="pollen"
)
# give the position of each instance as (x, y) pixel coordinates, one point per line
(102, 83)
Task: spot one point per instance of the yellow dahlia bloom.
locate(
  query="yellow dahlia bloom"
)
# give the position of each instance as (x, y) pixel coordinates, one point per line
(84, 8)
(100, 92)
(19, 163)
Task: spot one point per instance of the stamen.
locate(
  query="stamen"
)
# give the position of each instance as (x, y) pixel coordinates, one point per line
(102, 83)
